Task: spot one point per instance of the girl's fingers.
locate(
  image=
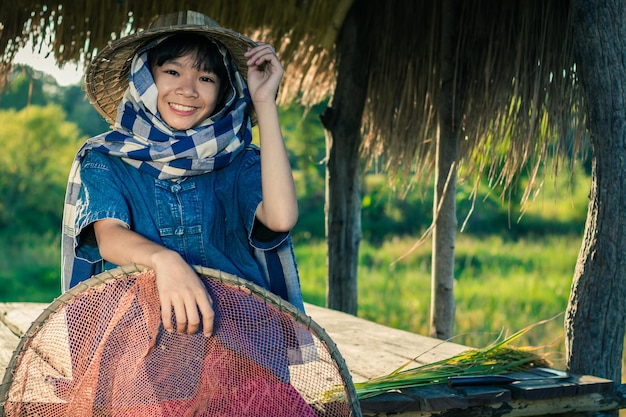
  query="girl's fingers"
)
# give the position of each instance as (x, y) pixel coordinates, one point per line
(166, 316)
(206, 311)
(193, 318)
(260, 54)
(266, 47)
(181, 317)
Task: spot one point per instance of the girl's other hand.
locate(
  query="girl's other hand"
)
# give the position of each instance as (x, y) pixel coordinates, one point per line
(264, 73)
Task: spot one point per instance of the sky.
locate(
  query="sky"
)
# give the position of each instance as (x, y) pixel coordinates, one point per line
(68, 75)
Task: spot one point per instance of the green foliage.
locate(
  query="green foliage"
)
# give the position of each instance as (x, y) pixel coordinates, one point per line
(560, 207)
(30, 266)
(38, 147)
(80, 111)
(385, 214)
(28, 87)
(304, 138)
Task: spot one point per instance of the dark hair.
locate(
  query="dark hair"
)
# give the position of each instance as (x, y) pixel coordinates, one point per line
(208, 56)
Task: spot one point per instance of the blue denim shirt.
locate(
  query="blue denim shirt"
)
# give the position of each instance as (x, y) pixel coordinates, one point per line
(208, 219)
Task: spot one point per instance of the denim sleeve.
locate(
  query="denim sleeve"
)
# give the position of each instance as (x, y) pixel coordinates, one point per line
(99, 198)
(250, 195)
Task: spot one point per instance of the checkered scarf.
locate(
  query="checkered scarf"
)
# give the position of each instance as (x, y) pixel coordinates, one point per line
(142, 139)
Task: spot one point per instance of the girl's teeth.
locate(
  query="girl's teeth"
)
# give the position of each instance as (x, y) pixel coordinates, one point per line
(181, 107)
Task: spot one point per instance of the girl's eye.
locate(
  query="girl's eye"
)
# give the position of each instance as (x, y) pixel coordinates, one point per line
(207, 79)
(171, 72)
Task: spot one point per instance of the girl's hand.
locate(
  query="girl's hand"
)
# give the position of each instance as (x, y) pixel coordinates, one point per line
(182, 291)
(264, 73)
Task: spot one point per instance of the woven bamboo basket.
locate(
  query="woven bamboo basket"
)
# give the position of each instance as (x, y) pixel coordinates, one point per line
(100, 350)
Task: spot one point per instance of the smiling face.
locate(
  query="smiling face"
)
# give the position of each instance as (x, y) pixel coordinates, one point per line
(191, 79)
(187, 95)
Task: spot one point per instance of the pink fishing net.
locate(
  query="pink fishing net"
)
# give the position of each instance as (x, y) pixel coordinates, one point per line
(103, 352)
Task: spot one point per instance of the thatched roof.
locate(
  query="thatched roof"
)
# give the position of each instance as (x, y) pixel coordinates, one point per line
(515, 81)
(302, 32)
(515, 76)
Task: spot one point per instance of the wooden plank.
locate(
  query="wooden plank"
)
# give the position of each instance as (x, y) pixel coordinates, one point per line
(587, 384)
(434, 398)
(15, 319)
(372, 350)
(19, 316)
(520, 407)
(542, 389)
(537, 383)
(490, 391)
(8, 343)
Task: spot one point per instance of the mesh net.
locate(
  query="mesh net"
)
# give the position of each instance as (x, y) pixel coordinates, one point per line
(101, 350)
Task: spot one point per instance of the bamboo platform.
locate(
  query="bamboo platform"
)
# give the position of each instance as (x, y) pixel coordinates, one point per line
(372, 350)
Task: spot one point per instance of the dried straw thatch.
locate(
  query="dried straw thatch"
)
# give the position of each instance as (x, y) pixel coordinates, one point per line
(515, 78)
(515, 84)
(77, 30)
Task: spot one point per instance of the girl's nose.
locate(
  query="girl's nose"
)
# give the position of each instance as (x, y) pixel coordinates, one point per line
(187, 88)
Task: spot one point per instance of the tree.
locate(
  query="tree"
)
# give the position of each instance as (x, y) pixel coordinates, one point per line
(78, 110)
(342, 119)
(38, 146)
(444, 202)
(596, 313)
(26, 88)
(29, 87)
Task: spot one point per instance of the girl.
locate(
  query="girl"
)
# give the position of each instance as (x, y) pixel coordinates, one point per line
(176, 182)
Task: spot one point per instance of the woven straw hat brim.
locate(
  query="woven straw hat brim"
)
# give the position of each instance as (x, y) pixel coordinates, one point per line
(106, 78)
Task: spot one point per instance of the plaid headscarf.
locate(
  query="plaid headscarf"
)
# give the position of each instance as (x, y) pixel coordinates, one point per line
(142, 139)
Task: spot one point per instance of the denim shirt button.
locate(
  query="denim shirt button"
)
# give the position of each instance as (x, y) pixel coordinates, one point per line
(180, 230)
